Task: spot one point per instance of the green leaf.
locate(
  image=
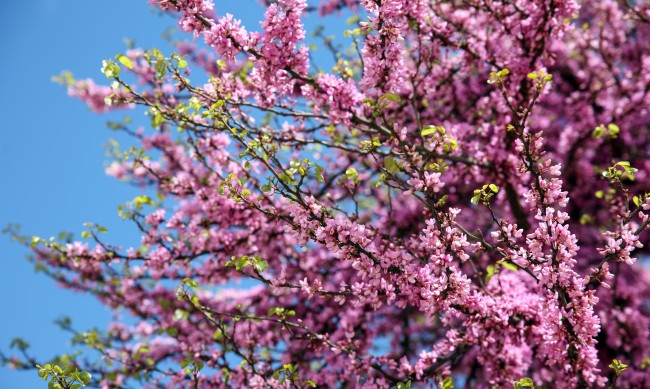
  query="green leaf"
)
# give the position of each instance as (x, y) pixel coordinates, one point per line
(34, 241)
(191, 283)
(428, 130)
(491, 269)
(85, 377)
(319, 174)
(509, 265)
(124, 60)
(532, 76)
(261, 265)
(139, 201)
(618, 367)
(110, 69)
(275, 311)
(524, 383)
(598, 132)
(447, 383)
(404, 385)
(391, 165)
(614, 129)
(157, 119)
(390, 96)
(161, 69)
(351, 173)
(65, 78)
(494, 188)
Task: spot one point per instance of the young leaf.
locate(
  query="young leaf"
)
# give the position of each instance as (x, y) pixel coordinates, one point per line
(524, 383)
(391, 165)
(428, 130)
(124, 60)
(390, 96)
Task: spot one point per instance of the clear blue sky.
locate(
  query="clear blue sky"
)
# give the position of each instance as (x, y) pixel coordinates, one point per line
(51, 154)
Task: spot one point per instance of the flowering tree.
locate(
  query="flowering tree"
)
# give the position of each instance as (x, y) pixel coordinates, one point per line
(461, 199)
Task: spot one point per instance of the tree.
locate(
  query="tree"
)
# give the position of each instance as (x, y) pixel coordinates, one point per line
(458, 199)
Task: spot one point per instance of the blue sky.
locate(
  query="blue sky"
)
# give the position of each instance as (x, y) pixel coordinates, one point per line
(51, 154)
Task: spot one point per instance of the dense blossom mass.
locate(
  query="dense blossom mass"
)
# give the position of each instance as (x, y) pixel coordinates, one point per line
(461, 199)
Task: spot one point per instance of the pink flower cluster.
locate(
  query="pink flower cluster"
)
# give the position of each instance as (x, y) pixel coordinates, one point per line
(433, 207)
